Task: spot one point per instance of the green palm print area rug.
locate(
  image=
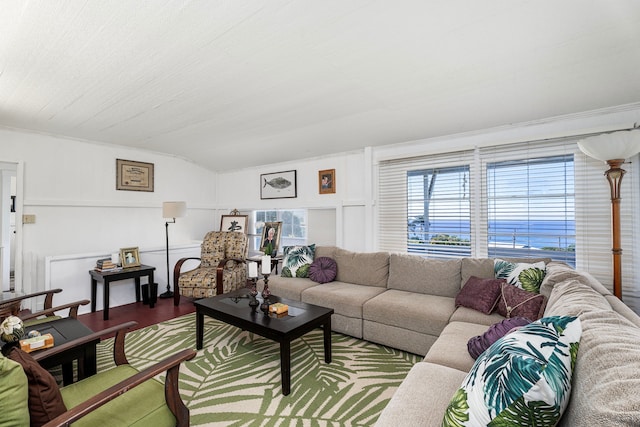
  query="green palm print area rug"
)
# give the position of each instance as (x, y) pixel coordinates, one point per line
(235, 379)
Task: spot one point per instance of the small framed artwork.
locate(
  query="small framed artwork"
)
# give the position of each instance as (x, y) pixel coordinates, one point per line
(129, 257)
(327, 181)
(278, 185)
(234, 223)
(270, 242)
(134, 176)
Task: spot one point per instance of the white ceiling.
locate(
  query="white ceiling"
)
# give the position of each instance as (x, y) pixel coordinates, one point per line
(230, 83)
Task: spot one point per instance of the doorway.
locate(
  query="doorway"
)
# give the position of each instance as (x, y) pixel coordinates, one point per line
(8, 213)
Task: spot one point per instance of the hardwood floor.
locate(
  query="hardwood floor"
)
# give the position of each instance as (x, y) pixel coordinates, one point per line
(145, 316)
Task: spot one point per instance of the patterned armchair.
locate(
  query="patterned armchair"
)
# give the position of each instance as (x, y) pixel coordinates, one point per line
(222, 267)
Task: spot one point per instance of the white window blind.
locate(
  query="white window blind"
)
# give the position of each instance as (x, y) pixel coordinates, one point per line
(549, 181)
(424, 205)
(529, 201)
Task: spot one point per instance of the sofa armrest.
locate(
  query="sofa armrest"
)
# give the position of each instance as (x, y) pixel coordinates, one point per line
(220, 270)
(48, 300)
(170, 365)
(176, 277)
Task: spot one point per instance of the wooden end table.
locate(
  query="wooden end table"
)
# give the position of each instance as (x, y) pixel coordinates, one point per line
(111, 276)
(63, 331)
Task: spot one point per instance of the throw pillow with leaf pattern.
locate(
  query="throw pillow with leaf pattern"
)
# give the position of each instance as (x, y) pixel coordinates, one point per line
(523, 379)
(297, 260)
(523, 275)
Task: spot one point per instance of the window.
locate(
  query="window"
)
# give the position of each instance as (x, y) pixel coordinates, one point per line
(438, 212)
(504, 201)
(531, 208)
(425, 206)
(529, 199)
(294, 226)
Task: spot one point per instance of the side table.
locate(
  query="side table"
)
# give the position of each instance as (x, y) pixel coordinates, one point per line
(112, 276)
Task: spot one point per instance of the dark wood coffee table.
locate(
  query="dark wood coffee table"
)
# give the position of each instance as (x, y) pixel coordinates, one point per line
(233, 308)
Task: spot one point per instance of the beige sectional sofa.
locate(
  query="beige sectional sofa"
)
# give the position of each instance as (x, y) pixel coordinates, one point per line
(408, 302)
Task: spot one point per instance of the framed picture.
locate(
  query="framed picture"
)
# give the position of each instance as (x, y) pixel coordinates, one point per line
(327, 181)
(278, 185)
(270, 242)
(234, 223)
(129, 257)
(134, 176)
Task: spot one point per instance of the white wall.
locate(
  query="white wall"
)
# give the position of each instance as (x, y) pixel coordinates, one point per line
(241, 190)
(69, 186)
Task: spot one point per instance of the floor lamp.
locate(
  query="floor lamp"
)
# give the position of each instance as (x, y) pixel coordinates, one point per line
(614, 148)
(171, 210)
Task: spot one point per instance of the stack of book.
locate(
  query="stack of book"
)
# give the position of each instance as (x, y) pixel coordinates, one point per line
(105, 264)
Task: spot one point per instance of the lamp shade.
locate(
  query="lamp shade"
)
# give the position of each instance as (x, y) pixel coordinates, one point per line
(174, 209)
(611, 146)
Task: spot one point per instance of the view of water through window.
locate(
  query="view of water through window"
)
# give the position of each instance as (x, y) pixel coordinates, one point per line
(530, 210)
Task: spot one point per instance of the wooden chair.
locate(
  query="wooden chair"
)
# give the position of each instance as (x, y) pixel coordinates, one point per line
(11, 307)
(133, 396)
(222, 267)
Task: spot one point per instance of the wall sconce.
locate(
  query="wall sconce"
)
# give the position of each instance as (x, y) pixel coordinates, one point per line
(613, 148)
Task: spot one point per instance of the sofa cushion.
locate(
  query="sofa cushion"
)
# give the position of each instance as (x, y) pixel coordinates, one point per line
(469, 315)
(527, 276)
(297, 260)
(346, 299)
(570, 298)
(289, 287)
(479, 294)
(323, 270)
(360, 268)
(514, 302)
(606, 379)
(422, 397)
(524, 378)
(478, 344)
(450, 349)
(141, 405)
(14, 394)
(428, 314)
(412, 273)
(45, 400)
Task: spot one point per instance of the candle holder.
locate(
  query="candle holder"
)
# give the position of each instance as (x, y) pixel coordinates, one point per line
(253, 293)
(266, 293)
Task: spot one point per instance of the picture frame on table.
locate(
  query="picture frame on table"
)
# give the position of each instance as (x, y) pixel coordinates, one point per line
(279, 185)
(130, 257)
(234, 223)
(327, 181)
(270, 241)
(134, 176)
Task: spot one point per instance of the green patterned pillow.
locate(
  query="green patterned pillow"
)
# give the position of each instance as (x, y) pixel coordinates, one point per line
(523, 379)
(525, 276)
(297, 260)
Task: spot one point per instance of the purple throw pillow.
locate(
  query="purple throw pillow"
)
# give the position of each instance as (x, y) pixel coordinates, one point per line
(477, 345)
(323, 269)
(479, 294)
(514, 301)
